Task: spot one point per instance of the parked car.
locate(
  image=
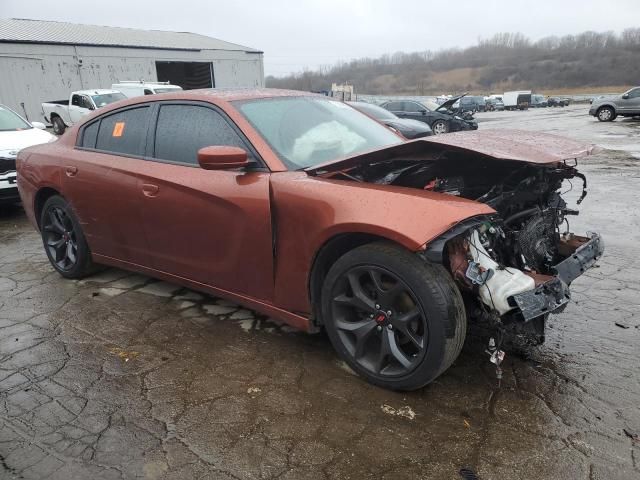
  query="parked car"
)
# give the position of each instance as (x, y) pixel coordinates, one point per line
(406, 127)
(517, 100)
(494, 104)
(470, 103)
(439, 117)
(65, 113)
(132, 89)
(538, 101)
(16, 133)
(308, 211)
(626, 104)
(558, 101)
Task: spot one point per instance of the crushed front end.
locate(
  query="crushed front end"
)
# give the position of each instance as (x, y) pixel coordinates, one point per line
(514, 267)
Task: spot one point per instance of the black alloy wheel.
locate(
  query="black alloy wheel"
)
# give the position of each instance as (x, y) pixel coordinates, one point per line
(394, 318)
(63, 239)
(379, 320)
(60, 239)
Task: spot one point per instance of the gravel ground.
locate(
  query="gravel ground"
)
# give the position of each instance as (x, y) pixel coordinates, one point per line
(121, 376)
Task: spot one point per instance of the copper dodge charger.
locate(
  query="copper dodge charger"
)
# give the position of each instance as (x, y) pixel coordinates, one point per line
(306, 210)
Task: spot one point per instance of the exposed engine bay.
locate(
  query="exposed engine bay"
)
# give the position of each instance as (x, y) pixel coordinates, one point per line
(510, 261)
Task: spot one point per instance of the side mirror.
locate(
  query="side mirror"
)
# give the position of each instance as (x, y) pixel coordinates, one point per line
(222, 158)
(423, 112)
(39, 125)
(92, 107)
(625, 96)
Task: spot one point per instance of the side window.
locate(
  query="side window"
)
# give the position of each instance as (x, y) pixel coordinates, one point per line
(148, 92)
(635, 93)
(394, 106)
(124, 131)
(89, 135)
(85, 102)
(412, 107)
(75, 100)
(182, 130)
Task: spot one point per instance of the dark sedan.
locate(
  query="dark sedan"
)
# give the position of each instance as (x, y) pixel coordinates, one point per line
(406, 127)
(439, 117)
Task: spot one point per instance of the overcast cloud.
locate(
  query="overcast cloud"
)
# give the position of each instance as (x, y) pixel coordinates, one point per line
(305, 34)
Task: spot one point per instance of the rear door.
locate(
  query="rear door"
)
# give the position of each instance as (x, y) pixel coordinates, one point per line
(100, 179)
(213, 227)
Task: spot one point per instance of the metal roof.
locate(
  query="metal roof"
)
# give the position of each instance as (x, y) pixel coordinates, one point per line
(22, 30)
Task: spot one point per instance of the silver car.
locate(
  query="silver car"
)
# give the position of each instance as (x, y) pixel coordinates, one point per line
(608, 108)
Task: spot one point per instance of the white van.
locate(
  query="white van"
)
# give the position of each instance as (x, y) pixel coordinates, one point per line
(138, 88)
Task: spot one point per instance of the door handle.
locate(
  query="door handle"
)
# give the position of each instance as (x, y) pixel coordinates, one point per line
(71, 171)
(150, 190)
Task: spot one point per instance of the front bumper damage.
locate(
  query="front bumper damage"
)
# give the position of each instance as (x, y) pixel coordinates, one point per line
(553, 295)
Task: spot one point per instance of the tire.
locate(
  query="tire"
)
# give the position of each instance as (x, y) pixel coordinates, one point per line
(58, 125)
(63, 239)
(606, 114)
(439, 127)
(395, 319)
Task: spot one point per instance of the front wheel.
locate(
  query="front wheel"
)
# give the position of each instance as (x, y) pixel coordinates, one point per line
(395, 319)
(606, 114)
(439, 127)
(63, 239)
(58, 125)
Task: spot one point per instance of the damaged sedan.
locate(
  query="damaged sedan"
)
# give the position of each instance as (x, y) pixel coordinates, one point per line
(314, 214)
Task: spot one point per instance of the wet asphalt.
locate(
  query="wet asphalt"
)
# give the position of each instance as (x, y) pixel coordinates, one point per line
(119, 376)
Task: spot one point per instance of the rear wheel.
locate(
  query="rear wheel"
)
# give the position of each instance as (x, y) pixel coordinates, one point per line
(58, 125)
(439, 127)
(395, 319)
(63, 239)
(606, 114)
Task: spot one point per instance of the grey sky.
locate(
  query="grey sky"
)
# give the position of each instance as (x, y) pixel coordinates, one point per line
(298, 34)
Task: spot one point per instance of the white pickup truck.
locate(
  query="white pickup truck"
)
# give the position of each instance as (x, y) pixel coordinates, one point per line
(64, 113)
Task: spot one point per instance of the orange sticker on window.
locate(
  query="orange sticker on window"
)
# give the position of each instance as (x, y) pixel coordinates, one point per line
(118, 129)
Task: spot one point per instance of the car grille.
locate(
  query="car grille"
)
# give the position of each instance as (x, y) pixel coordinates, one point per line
(7, 165)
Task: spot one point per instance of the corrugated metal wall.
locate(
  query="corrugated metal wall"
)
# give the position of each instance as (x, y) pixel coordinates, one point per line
(32, 74)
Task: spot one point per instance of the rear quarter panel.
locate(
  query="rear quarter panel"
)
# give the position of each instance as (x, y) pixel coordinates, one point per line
(309, 211)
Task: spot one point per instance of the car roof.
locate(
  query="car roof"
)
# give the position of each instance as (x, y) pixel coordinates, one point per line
(96, 91)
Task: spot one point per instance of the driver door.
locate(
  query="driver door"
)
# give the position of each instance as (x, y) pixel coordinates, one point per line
(632, 103)
(208, 226)
(80, 106)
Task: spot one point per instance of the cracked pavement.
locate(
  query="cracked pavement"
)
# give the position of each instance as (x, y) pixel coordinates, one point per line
(119, 376)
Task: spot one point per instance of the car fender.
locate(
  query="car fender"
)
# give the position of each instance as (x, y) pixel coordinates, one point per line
(310, 211)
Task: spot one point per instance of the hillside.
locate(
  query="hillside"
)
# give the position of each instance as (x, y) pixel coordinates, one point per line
(507, 61)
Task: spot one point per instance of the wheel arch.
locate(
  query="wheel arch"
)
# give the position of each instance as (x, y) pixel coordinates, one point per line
(40, 199)
(607, 105)
(330, 251)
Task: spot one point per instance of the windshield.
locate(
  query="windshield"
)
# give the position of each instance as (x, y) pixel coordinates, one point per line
(10, 121)
(107, 98)
(308, 131)
(373, 110)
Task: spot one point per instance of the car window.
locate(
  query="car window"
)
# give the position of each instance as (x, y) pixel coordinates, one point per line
(394, 106)
(89, 135)
(11, 122)
(182, 130)
(85, 102)
(76, 100)
(634, 93)
(413, 107)
(124, 131)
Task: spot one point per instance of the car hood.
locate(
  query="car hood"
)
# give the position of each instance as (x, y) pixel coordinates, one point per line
(12, 142)
(449, 103)
(513, 145)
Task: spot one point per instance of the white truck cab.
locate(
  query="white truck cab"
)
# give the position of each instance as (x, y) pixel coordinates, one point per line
(65, 113)
(138, 88)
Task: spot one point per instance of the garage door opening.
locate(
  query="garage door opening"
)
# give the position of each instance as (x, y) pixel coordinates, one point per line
(188, 75)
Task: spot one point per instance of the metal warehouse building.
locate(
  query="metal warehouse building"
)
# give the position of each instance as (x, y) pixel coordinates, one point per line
(42, 61)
